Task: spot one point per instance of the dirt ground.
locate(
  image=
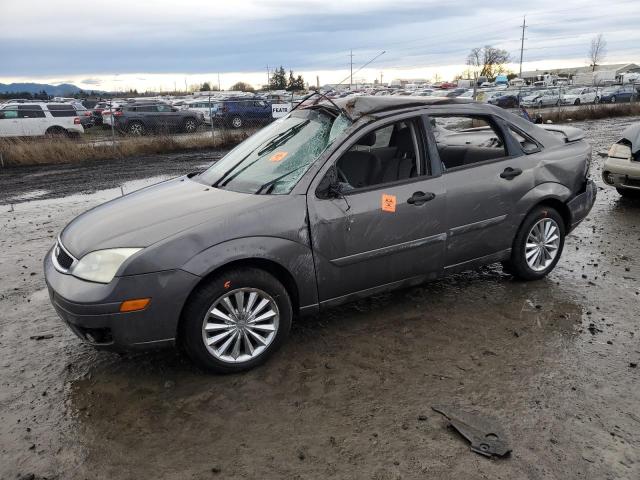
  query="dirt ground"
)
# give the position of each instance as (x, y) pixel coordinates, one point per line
(350, 394)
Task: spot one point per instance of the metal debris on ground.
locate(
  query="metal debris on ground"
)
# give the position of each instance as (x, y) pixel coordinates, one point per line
(484, 433)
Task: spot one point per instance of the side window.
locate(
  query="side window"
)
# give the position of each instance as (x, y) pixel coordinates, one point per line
(388, 154)
(163, 108)
(528, 144)
(30, 111)
(465, 140)
(61, 110)
(8, 114)
(147, 108)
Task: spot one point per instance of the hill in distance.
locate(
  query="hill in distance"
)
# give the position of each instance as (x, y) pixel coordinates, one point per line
(54, 90)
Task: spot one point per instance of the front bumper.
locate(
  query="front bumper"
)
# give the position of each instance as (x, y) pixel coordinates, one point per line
(580, 205)
(621, 173)
(91, 310)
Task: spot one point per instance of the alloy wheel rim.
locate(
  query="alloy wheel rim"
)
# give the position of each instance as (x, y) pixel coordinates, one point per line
(543, 243)
(240, 325)
(190, 126)
(136, 129)
(237, 122)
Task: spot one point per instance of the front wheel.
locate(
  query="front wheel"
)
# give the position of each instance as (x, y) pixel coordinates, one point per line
(236, 122)
(136, 128)
(628, 192)
(236, 321)
(538, 244)
(577, 102)
(613, 99)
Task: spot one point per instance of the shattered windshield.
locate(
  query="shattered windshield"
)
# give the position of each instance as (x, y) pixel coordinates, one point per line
(273, 160)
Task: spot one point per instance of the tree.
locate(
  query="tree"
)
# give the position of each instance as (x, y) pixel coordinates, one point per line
(278, 80)
(205, 87)
(295, 83)
(243, 87)
(489, 60)
(598, 51)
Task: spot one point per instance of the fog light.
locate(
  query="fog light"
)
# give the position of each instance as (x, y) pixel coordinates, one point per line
(134, 305)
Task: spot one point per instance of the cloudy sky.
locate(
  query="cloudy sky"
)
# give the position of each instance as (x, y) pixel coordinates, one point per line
(151, 44)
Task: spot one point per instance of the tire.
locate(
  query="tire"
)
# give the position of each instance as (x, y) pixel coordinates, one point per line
(596, 100)
(189, 125)
(628, 192)
(236, 122)
(518, 265)
(613, 99)
(577, 102)
(136, 128)
(230, 353)
(56, 132)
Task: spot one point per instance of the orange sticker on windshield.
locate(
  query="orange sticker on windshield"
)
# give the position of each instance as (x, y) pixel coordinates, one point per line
(388, 203)
(278, 156)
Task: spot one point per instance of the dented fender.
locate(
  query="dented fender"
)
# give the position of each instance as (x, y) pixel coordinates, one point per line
(293, 257)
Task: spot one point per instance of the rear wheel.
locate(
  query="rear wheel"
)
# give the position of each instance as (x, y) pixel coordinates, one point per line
(577, 102)
(189, 125)
(236, 320)
(56, 132)
(136, 128)
(538, 244)
(613, 99)
(236, 122)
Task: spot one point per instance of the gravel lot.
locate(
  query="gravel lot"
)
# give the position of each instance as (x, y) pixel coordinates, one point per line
(349, 396)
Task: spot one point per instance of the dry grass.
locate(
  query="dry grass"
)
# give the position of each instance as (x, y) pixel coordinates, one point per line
(592, 112)
(43, 151)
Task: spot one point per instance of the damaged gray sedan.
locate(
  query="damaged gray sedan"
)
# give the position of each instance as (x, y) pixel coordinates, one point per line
(334, 202)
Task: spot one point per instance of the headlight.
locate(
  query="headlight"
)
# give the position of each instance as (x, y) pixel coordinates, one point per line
(101, 266)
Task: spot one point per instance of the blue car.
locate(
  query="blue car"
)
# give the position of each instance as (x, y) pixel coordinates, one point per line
(619, 93)
(506, 100)
(241, 112)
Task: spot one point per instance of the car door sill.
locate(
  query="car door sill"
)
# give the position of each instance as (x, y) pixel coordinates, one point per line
(379, 252)
(500, 256)
(405, 283)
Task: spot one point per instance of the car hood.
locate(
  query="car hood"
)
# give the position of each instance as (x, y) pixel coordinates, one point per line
(149, 215)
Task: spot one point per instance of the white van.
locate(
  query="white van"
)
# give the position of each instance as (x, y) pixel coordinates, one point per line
(39, 119)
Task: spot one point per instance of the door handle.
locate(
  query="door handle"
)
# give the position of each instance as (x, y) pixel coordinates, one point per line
(418, 198)
(510, 173)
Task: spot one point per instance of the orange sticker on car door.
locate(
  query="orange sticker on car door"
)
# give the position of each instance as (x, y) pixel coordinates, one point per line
(388, 203)
(278, 156)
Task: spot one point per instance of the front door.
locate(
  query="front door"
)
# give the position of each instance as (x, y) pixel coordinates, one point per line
(387, 228)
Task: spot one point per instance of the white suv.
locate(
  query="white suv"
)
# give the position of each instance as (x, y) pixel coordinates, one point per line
(38, 119)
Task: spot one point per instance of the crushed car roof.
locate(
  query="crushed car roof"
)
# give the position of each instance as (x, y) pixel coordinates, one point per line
(363, 105)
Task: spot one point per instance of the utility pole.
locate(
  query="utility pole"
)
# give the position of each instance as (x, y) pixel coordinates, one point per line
(268, 79)
(524, 25)
(380, 78)
(351, 69)
(219, 86)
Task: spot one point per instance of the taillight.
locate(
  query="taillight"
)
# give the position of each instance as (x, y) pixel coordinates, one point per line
(76, 121)
(225, 108)
(117, 113)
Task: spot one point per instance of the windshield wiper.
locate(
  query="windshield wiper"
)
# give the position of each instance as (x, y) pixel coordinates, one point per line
(282, 137)
(271, 183)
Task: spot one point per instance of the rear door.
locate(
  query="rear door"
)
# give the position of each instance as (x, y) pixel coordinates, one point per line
(31, 120)
(485, 174)
(387, 228)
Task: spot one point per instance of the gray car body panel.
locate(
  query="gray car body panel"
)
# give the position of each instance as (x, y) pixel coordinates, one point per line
(334, 249)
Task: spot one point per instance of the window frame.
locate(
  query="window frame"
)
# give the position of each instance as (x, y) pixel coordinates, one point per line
(420, 140)
(31, 108)
(498, 125)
